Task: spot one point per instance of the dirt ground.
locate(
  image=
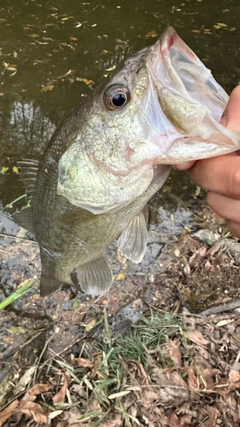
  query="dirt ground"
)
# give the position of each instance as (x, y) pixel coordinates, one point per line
(190, 266)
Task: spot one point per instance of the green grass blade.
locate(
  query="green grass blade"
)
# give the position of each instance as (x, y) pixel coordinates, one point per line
(17, 294)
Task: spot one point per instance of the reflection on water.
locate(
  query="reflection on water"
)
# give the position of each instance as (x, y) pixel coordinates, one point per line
(29, 125)
(55, 53)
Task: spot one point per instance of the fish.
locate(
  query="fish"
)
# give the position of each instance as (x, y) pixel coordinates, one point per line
(112, 153)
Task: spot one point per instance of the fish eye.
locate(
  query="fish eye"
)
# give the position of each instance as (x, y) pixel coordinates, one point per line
(116, 97)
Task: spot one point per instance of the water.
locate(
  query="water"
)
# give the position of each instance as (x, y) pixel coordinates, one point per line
(48, 48)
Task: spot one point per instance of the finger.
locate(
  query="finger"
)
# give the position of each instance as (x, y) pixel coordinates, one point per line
(219, 175)
(231, 115)
(184, 166)
(224, 206)
(234, 228)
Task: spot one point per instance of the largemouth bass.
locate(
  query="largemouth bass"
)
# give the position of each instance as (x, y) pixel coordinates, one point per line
(112, 154)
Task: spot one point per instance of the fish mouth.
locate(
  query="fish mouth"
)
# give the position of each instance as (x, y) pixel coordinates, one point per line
(191, 100)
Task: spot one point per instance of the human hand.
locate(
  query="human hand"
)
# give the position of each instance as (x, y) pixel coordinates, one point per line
(221, 175)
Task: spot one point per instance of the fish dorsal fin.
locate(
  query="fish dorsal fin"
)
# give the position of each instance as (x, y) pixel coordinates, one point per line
(133, 240)
(28, 174)
(25, 219)
(95, 277)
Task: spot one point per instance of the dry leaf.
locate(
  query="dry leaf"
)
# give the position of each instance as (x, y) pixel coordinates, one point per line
(7, 412)
(192, 379)
(97, 360)
(24, 380)
(151, 34)
(60, 396)
(46, 88)
(33, 410)
(234, 380)
(213, 414)
(114, 420)
(196, 337)
(224, 322)
(90, 325)
(174, 352)
(34, 391)
(184, 421)
(120, 394)
(84, 363)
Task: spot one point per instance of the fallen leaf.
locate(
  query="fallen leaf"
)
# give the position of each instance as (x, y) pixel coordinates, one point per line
(174, 352)
(88, 384)
(192, 379)
(7, 412)
(86, 81)
(196, 337)
(84, 363)
(33, 410)
(213, 415)
(120, 276)
(60, 396)
(4, 169)
(24, 380)
(234, 380)
(120, 394)
(45, 88)
(111, 68)
(221, 24)
(184, 421)
(97, 361)
(151, 34)
(90, 325)
(34, 391)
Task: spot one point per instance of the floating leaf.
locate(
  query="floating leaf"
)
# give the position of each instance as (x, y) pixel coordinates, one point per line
(221, 24)
(86, 81)
(47, 88)
(111, 68)
(4, 169)
(151, 34)
(66, 18)
(15, 169)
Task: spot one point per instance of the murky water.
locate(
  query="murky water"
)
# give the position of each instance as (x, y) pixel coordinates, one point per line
(51, 51)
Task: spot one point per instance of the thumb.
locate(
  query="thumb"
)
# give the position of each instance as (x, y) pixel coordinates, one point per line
(231, 114)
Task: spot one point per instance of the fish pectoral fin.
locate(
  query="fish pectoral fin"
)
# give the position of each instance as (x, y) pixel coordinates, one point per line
(25, 219)
(133, 240)
(95, 277)
(28, 174)
(48, 284)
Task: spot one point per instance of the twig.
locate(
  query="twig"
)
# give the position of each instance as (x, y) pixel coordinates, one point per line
(220, 308)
